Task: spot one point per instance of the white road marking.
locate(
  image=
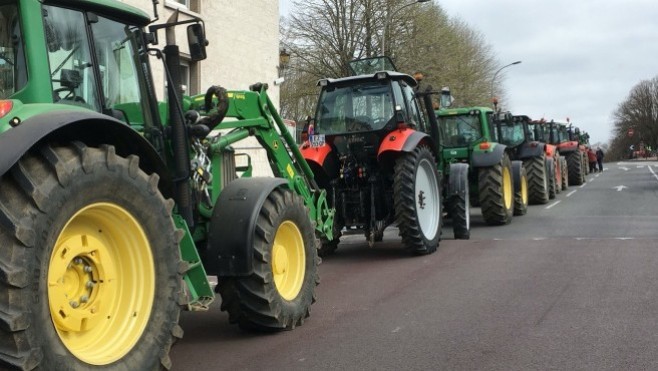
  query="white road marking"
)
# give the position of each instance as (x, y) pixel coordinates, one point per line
(397, 329)
(572, 192)
(597, 175)
(653, 172)
(623, 168)
(553, 204)
(639, 166)
(620, 187)
(584, 184)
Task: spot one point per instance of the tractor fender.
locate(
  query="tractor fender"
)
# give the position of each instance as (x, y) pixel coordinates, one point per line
(403, 140)
(568, 147)
(516, 174)
(489, 158)
(321, 158)
(233, 224)
(457, 180)
(532, 149)
(91, 128)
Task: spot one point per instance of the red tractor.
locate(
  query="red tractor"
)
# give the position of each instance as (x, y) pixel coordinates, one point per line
(369, 149)
(567, 140)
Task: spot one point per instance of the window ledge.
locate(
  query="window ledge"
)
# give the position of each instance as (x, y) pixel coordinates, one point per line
(180, 7)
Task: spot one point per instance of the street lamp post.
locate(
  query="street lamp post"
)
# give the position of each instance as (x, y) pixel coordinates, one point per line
(496, 74)
(388, 19)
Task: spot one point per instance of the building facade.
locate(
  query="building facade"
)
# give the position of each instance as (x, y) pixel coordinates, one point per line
(243, 50)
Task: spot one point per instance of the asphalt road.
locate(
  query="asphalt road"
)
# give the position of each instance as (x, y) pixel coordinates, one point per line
(570, 285)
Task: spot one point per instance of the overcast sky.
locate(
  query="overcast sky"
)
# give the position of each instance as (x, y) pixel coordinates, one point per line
(579, 58)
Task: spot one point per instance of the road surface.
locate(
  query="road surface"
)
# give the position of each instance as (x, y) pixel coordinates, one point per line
(571, 285)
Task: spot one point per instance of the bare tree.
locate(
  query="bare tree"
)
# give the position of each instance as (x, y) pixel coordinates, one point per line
(639, 113)
(323, 36)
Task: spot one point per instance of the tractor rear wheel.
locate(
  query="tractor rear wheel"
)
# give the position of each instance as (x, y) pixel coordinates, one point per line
(90, 263)
(279, 293)
(496, 190)
(576, 170)
(537, 180)
(521, 195)
(417, 200)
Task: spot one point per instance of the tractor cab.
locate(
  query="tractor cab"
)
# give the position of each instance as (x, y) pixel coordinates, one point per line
(356, 113)
(463, 128)
(512, 130)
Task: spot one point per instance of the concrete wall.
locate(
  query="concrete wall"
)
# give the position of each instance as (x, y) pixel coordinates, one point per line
(244, 49)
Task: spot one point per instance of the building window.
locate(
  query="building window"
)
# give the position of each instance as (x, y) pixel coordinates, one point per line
(185, 77)
(192, 5)
(189, 77)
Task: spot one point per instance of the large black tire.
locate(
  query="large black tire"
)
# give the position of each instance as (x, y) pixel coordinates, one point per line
(279, 293)
(89, 263)
(575, 166)
(460, 215)
(496, 192)
(552, 186)
(521, 195)
(328, 247)
(538, 182)
(558, 175)
(565, 174)
(417, 200)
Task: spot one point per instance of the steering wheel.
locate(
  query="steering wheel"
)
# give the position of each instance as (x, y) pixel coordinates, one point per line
(71, 95)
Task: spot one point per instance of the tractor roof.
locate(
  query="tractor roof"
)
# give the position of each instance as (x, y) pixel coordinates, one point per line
(390, 75)
(462, 110)
(110, 8)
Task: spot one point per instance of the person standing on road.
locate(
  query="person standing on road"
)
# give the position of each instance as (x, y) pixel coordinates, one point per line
(591, 156)
(599, 158)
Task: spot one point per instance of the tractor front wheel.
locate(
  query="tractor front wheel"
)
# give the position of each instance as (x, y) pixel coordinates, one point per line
(90, 261)
(565, 174)
(538, 182)
(417, 200)
(521, 194)
(459, 206)
(279, 293)
(576, 168)
(496, 191)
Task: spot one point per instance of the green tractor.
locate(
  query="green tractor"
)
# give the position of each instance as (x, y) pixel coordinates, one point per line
(545, 167)
(496, 182)
(115, 208)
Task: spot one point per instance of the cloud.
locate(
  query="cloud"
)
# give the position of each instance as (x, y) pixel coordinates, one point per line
(580, 58)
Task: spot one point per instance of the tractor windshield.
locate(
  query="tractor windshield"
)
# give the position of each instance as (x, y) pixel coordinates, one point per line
(13, 72)
(511, 134)
(365, 106)
(460, 130)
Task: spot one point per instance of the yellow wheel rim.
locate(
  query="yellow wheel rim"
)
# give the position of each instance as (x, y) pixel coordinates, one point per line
(524, 190)
(508, 192)
(101, 283)
(288, 260)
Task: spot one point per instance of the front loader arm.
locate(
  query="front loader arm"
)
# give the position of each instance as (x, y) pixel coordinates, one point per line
(254, 114)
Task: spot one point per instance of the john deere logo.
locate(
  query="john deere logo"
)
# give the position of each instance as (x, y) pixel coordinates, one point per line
(275, 144)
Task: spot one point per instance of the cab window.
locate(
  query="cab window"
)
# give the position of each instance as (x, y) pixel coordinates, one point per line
(69, 57)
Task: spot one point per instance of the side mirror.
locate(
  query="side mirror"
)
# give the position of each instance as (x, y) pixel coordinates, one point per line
(197, 42)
